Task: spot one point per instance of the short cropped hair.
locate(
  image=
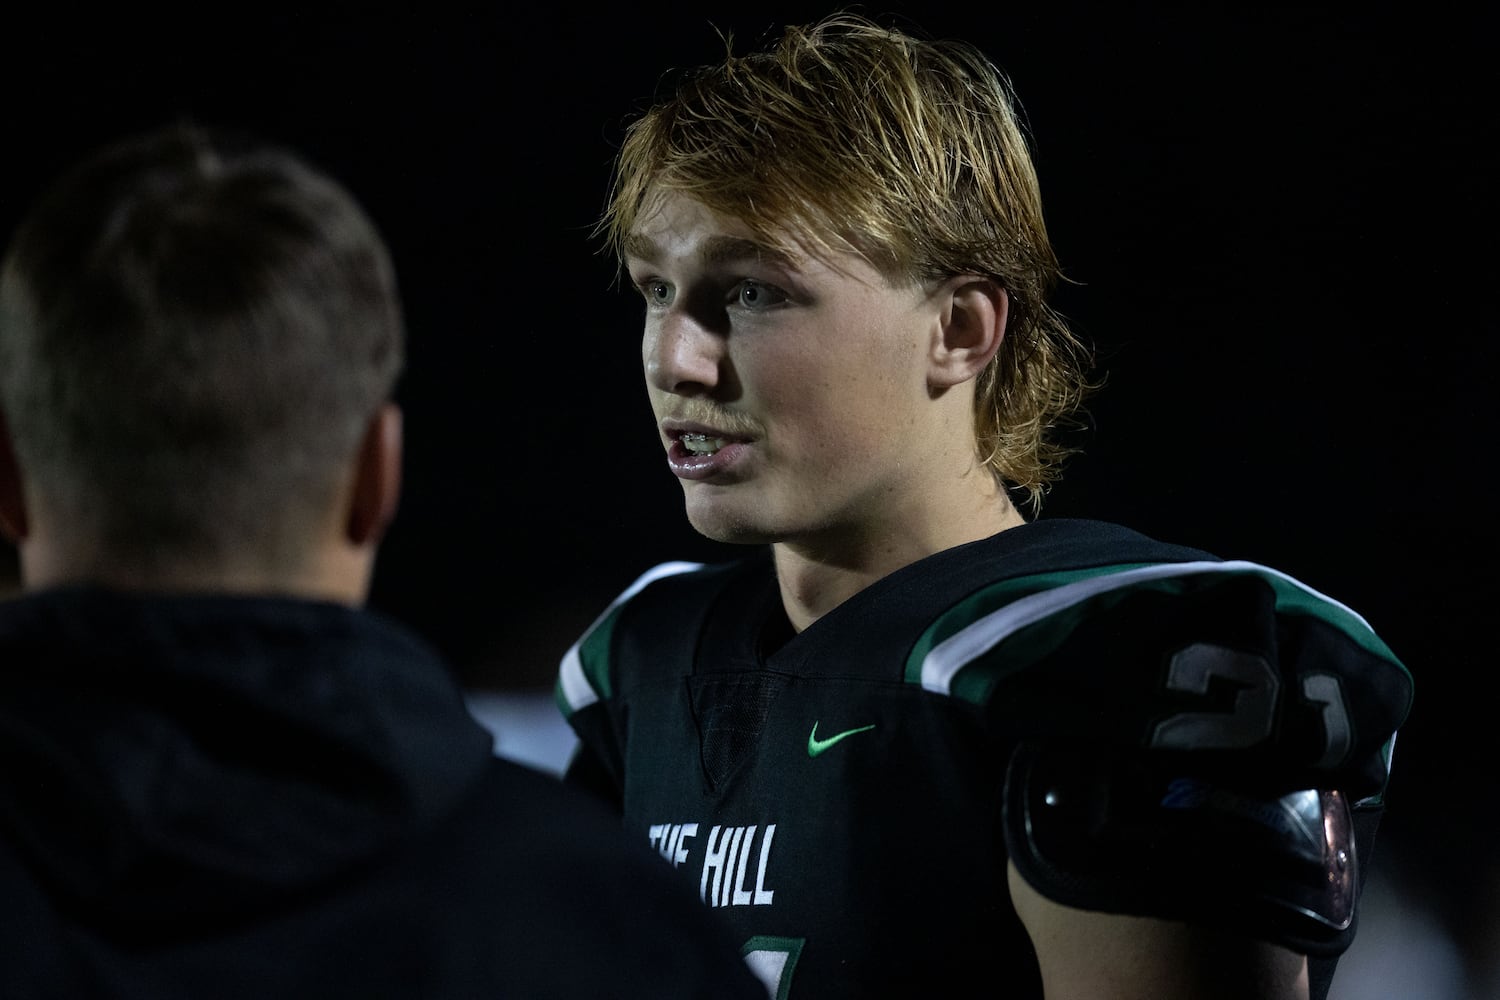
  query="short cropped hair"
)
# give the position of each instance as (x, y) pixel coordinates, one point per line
(196, 328)
(848, 136)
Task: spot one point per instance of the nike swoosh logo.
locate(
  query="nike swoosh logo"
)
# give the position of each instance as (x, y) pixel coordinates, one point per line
(816, 746)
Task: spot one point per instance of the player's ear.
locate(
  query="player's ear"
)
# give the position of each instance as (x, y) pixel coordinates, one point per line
(377, 478)
(972, 312)
(12, 503)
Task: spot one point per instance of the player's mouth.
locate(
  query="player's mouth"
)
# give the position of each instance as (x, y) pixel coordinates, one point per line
(702, 444)
(699, 452)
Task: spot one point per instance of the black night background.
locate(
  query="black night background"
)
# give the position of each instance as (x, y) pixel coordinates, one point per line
(1279, 221)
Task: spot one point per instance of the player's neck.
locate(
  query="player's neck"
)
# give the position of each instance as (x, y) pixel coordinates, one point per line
(336, 572)
(817, 575)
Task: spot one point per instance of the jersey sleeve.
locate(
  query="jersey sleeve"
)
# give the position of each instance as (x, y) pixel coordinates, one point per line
(1197, 741)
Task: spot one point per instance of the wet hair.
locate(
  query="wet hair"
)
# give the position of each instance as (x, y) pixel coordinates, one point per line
(196, 328)
(847, 136)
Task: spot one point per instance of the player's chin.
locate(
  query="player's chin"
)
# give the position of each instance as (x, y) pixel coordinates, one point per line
(735, 520)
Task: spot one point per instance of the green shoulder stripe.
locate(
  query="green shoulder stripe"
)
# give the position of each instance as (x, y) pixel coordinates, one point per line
(974, 611)
(584, 676)
(1033, 616)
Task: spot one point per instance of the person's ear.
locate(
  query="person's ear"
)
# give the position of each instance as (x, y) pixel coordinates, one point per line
(13, 523)
(377, 478)
(972, 312)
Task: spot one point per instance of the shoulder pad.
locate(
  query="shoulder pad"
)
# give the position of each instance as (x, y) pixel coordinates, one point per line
(1122, 834)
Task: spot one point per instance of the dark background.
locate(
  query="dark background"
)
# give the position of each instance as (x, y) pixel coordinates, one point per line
(1280, 223)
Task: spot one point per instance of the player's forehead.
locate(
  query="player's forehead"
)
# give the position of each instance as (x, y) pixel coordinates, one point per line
(676, 226)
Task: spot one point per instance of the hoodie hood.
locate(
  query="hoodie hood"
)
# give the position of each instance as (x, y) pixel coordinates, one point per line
(176, 759)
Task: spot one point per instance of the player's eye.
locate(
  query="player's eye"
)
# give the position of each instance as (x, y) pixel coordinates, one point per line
(753, 294)
(655, 291)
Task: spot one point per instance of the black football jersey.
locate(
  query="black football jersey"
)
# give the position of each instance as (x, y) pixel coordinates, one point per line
(1145, 727)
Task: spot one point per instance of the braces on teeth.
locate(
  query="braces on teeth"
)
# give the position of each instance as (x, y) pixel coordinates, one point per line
(701, 444)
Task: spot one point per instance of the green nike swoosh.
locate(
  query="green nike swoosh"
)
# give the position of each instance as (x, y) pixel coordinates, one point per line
(816, 746)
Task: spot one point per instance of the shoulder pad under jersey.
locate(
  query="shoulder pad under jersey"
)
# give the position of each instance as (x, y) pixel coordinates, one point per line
(1117, 835)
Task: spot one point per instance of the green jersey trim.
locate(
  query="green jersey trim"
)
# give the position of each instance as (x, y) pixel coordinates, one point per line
(584, 675)
(1055, 602)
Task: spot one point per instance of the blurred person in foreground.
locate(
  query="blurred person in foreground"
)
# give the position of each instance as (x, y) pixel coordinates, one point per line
(222, 775)
(921, 740)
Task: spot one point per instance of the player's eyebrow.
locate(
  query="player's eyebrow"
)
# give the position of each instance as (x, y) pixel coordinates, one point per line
(714, 250)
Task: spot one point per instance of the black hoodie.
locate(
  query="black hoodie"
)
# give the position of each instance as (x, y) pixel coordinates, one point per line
(223, 797)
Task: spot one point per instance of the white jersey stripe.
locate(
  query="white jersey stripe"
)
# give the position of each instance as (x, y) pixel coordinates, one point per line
(944, 660)
(574, 684)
